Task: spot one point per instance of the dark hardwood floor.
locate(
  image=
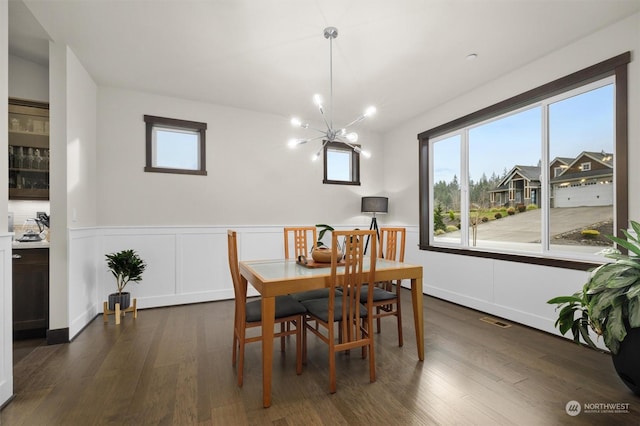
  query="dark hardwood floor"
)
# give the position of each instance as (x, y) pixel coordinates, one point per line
(173, 366)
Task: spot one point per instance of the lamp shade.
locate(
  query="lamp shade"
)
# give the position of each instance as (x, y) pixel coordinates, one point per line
(375, 205)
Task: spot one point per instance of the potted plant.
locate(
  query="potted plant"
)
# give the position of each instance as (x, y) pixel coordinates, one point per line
(125, 265)
(320, 252)
(609, 304)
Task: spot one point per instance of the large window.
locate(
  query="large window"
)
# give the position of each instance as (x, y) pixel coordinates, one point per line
(537, 178)
(175, 146)
(341, 164)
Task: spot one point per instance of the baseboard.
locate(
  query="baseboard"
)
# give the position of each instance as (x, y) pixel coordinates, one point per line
(58, 336)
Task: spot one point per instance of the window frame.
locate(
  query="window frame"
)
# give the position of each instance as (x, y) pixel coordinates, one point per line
(615, 66)
(152, 122)
(355, 163)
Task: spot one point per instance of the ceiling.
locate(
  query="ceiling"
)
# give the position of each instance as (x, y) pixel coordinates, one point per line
(404, 56)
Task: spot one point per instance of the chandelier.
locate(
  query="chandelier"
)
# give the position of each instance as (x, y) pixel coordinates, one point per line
(331, 133)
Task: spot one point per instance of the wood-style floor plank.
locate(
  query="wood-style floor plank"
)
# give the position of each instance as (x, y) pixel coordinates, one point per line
(172, 366)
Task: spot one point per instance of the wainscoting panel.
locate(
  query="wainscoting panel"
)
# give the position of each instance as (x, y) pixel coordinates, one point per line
(84, 296)
(157, 247)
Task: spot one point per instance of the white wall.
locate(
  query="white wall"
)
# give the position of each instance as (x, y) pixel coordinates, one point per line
(253, 177)
(72, 184)
(81, 194)
(28, 80)
(81, 145)
(58, 268)
(512, 290)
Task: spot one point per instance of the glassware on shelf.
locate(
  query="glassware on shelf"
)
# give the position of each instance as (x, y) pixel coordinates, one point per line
(18, 158)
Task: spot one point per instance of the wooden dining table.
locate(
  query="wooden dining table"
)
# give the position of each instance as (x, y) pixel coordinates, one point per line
(273, 278)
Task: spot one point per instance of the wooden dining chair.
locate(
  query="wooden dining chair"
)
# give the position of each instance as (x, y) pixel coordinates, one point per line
(354, 319)
(386, 294)
(303, 239)
(249, 314)
(299, 236)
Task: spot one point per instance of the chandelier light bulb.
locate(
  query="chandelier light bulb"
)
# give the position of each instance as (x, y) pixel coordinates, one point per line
(370, 111)
(293, 143)
(352, 137)
(366, 154)
(295, 122)
(316, 156)
(317, 99)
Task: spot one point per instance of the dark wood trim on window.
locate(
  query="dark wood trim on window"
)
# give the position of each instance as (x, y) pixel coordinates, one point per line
(616, 66)
(151, 121)
(355, 164)
(563, 84)
(621, 156)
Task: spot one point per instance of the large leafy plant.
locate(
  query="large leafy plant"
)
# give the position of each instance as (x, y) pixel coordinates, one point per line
(609, 303)
(125, 265)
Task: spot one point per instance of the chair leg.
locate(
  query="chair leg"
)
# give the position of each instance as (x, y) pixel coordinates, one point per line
(304, 341)
(235, 348)
(282, 328)
(372, 355)
(364, 325)
(378, 318)
(332, 369)
(399, 316)
(241, 361)
(299, 327)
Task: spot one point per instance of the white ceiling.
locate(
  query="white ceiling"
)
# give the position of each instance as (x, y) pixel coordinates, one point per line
(404, 56)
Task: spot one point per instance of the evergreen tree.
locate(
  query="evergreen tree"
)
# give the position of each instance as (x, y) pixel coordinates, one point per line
(438, 222)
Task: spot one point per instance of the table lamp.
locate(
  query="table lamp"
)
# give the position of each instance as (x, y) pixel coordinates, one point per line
(374, 205)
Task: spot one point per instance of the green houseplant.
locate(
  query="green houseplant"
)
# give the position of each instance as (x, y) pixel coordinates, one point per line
(125, 266)
(320, 252)
(609, 304)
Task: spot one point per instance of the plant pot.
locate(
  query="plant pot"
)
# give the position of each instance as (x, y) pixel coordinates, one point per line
(626, 360)
(323, 254)
(123, 299)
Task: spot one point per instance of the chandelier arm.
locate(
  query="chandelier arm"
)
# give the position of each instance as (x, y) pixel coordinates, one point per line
(324, 132)
(325, 121)
(357, 120)
(324, 143)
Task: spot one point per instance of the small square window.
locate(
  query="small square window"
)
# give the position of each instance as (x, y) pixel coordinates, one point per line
(175, 146)
(585, 166)
(341, 164)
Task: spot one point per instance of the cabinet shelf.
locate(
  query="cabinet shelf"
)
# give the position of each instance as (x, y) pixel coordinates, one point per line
(28, 170)
(28, 133)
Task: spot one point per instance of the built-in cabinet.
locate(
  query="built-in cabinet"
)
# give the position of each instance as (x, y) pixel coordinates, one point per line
(28, 150)
(30, 292)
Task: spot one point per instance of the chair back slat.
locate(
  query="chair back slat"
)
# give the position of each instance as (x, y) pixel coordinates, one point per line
(299, 235)
(392, 243)
(239, 291)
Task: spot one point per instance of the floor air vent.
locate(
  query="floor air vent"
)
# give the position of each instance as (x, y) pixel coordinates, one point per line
(495, 322)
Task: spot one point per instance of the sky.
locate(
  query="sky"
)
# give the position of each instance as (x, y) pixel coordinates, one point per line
(580, 123)
(176, 149)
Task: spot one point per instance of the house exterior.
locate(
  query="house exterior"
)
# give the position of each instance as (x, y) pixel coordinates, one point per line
(586, 180)
(520, 186)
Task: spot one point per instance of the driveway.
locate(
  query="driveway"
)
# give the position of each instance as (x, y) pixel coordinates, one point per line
(525, 227)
